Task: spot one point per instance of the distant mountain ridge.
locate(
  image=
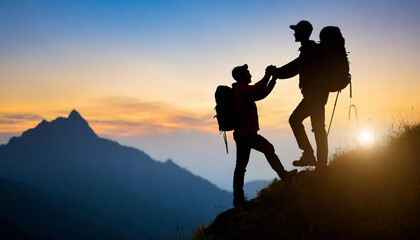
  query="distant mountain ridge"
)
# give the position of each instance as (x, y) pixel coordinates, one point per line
(66, 157)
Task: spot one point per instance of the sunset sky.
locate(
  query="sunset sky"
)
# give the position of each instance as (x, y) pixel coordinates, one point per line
(144, 73)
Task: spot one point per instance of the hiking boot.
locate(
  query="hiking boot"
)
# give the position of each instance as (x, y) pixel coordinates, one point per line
(288, 175)
(307, 159)
(239, 201)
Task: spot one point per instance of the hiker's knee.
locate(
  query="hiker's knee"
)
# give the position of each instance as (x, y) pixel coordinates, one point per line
(293, 120)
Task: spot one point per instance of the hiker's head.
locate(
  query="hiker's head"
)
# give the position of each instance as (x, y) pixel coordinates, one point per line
(241, 74)
(302, 30)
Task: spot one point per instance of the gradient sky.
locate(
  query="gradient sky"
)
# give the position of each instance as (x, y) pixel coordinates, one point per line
(144, 72)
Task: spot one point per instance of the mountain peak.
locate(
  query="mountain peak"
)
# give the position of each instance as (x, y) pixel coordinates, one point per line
(74, 115)
(76, 124)
(70, 128)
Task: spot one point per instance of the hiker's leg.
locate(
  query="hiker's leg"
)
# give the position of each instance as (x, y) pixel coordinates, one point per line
(295, 120)
(261, 144)
(243, 149)
(317, 113)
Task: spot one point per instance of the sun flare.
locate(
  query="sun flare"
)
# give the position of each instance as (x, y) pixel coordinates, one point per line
(367, 137)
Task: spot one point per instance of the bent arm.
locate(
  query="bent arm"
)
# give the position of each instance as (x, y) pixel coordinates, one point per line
(260, 85)
(265, 91)
(257, 87)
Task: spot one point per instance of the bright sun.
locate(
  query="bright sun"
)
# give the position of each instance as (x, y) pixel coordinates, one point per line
(366, 137)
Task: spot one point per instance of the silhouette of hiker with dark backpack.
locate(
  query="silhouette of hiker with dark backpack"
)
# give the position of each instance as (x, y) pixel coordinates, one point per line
(315, 93)
(246, 128)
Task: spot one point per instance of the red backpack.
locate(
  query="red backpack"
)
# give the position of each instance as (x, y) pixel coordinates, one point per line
(225, 110)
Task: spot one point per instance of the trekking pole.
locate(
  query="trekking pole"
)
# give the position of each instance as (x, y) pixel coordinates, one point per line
(226, 144)
(332, 115)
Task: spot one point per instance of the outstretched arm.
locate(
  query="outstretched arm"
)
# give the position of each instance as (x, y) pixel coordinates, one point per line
(289, 70)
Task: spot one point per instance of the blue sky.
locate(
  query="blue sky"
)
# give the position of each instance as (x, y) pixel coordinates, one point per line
(144, 72)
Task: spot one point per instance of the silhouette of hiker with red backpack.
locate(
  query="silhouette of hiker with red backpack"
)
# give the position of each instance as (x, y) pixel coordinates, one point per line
(246, 127)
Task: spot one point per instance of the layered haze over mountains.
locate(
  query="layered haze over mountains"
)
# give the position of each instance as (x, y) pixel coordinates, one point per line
(60, 180)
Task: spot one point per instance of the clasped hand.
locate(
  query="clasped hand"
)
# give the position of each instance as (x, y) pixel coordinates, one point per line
(270, 70)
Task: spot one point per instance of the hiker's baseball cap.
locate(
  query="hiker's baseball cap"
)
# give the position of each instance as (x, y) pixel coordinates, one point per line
(238, 72)
(302, 26)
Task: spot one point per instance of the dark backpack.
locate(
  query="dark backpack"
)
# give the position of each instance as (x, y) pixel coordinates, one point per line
(225, 110)
(336, 64)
